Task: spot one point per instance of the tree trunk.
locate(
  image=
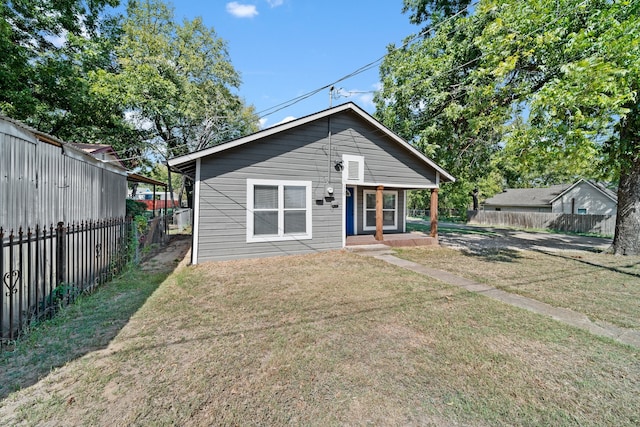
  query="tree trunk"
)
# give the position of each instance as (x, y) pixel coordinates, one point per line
(627, 237)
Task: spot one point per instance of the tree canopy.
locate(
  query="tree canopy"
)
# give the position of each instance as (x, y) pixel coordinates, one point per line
(526, 92)
(176, 80)
(52, 48)
(141, 82)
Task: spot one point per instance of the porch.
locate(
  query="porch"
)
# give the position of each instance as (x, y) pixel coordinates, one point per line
(395, 240)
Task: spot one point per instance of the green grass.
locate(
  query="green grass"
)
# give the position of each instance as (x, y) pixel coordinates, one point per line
(483, 229)
(334, 339)
(444, 229)
(603, 287)
(80, 328)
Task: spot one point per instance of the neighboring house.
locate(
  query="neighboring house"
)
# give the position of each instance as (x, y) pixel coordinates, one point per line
(154, 200)
(582, 197)
(44, 180)
(103, 152)
(303, 186)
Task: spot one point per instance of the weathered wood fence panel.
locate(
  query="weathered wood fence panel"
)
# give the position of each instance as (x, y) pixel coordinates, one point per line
(599, 224)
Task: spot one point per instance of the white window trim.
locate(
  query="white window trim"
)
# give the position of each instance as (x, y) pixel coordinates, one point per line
(404, 211)
(196, 214)
(280, 236)
(364, 211)
(346, 158)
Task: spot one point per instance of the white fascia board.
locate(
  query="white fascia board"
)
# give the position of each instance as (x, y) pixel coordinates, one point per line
(402, 186)
(196, 216)
(307, 119)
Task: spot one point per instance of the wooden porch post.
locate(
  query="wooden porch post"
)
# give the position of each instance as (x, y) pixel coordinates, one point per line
(434, 212)
(379, 217)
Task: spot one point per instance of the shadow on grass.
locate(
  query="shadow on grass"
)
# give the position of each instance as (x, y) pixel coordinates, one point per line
(87, 325)
(494, 255)
(319, 314)
(592, 264)
(443, 229)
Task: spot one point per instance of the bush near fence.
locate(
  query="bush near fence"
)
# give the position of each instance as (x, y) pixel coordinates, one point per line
(596, 224)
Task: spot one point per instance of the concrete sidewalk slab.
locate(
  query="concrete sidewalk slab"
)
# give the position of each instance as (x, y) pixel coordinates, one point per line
(569, 317)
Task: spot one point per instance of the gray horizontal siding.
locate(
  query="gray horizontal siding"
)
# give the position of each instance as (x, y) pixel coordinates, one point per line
(299, 154)
(296, 155)
(385, 160)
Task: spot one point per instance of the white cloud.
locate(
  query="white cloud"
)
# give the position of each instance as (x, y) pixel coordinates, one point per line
(275, 3)
(241, 10)
(57, 40)
(262, 123)
(366, 99)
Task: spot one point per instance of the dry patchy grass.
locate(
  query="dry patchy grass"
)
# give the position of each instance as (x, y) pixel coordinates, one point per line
(603, 287)
(334, 339)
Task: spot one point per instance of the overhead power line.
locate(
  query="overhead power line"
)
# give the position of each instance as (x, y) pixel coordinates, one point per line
(281, 106)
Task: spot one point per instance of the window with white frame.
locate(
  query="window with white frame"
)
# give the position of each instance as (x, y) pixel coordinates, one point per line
(353, 168)
(278, 210)
(389, 210)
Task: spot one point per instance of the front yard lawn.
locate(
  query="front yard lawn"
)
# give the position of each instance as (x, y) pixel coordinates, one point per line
(333, 339)
(603, 287)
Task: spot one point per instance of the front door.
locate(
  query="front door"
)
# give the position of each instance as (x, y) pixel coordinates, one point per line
(349, 211)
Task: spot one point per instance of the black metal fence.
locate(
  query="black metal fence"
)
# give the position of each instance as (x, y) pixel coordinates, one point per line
(43, 269)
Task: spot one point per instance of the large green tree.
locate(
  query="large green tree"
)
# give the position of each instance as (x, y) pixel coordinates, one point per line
(549, 86)
(50, 48)
(176, 80)
(30, 29)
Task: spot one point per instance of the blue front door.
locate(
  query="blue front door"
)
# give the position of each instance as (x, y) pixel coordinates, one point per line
(349, 211)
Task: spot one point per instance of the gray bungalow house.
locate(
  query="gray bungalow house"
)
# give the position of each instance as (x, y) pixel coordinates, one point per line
(303, 186)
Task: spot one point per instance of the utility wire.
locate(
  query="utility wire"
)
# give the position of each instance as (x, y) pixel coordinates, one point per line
(271, 110)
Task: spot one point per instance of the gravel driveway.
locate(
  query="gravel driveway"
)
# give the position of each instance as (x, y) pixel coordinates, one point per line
(478, 238)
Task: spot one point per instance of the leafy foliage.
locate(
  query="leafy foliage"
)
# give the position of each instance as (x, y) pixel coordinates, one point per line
(135, 208)
(176, 80)
(541, 92)
(49, 50)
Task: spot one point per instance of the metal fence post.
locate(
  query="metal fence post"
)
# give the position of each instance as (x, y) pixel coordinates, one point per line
(61, 255)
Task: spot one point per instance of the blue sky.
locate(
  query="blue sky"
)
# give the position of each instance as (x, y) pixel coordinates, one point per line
(286, 48)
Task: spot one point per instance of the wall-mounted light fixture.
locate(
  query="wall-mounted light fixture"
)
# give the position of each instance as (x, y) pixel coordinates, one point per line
(339, 165)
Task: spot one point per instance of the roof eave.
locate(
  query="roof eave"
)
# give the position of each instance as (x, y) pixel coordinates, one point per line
(177, 161)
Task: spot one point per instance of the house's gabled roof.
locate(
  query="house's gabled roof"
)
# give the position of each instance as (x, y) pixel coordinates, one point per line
(186, 163)
(102, 152)
(596, 185)
(539, 197)
(529, 197)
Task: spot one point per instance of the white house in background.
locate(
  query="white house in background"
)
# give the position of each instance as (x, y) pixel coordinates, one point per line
(583, 197)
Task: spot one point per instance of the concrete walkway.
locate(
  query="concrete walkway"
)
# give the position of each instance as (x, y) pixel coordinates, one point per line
(569, 317)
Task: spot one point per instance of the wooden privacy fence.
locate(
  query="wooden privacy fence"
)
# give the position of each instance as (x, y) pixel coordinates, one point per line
(42, 269)
(598, 224)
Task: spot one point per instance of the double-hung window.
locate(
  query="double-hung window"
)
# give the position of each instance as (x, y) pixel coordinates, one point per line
(278, 210)
(389, 210)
